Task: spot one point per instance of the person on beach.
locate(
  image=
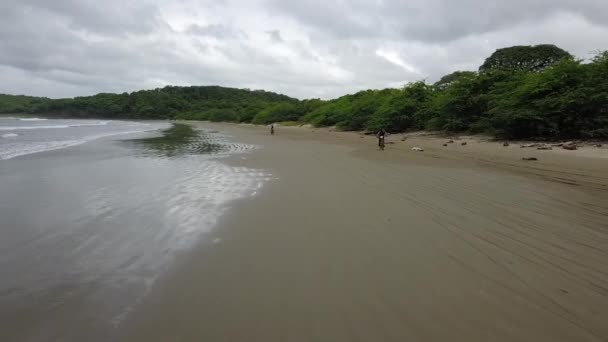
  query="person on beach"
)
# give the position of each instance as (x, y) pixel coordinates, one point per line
(380, 134)
(272, 129)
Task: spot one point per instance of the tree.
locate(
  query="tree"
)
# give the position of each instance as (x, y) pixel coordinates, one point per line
(464, 104)
(402, 109)
(525, 58)
(449, 79)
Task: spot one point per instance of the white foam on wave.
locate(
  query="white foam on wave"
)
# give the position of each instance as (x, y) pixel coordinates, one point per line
(10, 135)
(16, 128)
(137, 124)
(32, 119)
(12, 150)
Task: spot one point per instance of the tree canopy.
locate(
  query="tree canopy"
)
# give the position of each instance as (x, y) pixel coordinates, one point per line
(525, 58)
(454, 77)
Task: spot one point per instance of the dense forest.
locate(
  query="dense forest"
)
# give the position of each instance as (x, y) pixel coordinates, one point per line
(519, 92)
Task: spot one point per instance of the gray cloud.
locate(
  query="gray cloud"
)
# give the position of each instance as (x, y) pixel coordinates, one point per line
(218, 31)
(301, 48)
(102, 17)
(275, 36)
(429, 20)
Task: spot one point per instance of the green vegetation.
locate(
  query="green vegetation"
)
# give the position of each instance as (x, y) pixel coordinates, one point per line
(19, 104)
(519, 92)
(525, 58)
(195, 103)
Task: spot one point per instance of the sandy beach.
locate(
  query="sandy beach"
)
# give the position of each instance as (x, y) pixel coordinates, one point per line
(347, 243)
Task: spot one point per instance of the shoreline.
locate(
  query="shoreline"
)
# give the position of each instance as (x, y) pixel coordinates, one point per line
(586, 167)
(350, 243)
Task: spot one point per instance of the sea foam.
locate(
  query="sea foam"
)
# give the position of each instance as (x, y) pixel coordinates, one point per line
(15, 128)
(12, 150)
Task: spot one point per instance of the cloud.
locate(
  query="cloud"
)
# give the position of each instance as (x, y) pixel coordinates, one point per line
(394, 57)
(429, 20)
(218, 31)
(100, 17)
(275, 36)
(301, 48)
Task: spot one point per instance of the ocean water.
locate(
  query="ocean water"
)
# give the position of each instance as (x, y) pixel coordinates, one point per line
(21, 136)
(92, 212)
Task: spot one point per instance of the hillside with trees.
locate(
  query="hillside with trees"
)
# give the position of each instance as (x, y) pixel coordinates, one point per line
(196, 103)
(519, 92)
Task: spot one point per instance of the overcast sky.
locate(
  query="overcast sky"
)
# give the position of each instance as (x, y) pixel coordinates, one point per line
(305, 49)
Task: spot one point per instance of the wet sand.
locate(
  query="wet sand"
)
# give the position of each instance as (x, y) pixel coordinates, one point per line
(464, 243)
(86, 230)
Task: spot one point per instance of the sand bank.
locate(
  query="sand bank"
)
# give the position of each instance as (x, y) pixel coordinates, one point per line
(347, 243)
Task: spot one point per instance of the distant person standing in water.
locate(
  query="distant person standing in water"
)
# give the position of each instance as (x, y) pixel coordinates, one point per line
(272, 129)
(381, 134)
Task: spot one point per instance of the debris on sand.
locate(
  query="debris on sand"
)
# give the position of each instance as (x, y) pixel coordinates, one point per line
(449, 142)
(544, 148)
(529, 158)
(404, 139)
(419, 149)
(529, 145)
(598, 145)
(570, 146)
(505, 144)
(464, 143)
(445, 145)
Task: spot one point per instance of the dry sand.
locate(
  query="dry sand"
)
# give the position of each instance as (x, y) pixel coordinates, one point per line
(458, 243)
